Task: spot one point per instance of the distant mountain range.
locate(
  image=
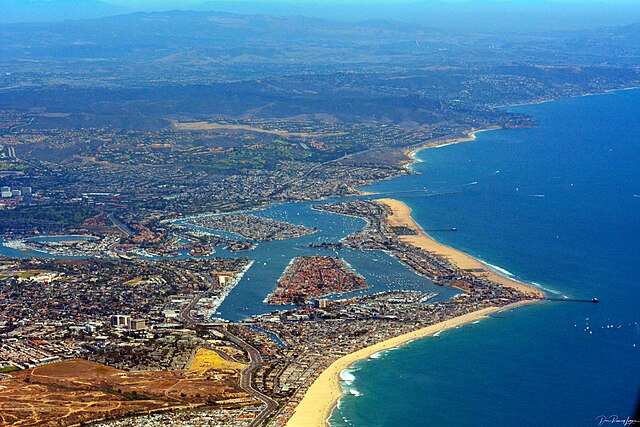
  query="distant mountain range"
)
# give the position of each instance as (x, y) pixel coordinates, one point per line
(469, 15)
(203, 47)
(55, 10)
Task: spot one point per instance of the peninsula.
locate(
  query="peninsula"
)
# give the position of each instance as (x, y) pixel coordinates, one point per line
(401, 217)
(322, 396)
(149, 201)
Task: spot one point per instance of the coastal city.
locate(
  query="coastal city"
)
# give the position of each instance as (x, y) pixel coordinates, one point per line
(160, 316)
(144, 290)
(211, 214)
(253, 227)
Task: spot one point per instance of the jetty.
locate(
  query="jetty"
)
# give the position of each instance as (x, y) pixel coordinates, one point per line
(592, 300)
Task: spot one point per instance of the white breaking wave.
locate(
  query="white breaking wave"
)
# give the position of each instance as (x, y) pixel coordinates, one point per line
(347, 376)
(382, 353)
(499, 269)
(553, 291)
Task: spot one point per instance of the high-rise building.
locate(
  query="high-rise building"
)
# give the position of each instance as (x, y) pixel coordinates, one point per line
(120, 321)
(138, 325)
(320, 303)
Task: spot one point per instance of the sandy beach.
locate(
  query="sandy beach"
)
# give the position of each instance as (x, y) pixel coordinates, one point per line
(471, 136)
(402, 217)
(317, 404)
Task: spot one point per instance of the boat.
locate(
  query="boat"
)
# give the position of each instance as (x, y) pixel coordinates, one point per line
(595, 300)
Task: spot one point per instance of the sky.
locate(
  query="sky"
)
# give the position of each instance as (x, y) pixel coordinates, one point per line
(183, 3)
(460, 15)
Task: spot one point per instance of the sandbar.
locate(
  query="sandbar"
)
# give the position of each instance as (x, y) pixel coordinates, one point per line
(402, 217)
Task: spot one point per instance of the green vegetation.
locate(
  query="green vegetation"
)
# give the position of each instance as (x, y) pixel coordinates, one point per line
(12, 165)
(49, 217)
(22, 274)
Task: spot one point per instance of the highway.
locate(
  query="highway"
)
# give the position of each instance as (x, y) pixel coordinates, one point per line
(120, 225)
(255, 361)
(185, 314)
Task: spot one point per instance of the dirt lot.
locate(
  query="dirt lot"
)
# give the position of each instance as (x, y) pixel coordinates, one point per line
(76, 391)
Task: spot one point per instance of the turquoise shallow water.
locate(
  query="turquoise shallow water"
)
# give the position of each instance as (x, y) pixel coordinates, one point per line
(558, 205)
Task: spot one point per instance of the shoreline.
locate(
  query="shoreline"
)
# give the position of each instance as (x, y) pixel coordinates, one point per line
(323, 395)
(412, 151)
(315, 409)
(471, 135)
(402, 217)
(545, 101)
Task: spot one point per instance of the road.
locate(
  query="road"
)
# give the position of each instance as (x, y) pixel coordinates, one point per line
(185, 314)
(120, 225)
(255, 361)
(297, 178)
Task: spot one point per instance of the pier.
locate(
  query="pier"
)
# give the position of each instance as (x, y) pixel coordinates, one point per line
(592, 300)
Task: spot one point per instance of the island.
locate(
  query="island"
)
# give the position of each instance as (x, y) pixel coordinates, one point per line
(158, 316)
(253, 227)
(313, 277)
(131, 186)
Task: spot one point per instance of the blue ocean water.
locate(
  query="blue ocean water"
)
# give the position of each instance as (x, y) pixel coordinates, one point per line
(558, 205)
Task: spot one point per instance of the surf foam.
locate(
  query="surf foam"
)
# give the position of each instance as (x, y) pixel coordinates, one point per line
(499, 269)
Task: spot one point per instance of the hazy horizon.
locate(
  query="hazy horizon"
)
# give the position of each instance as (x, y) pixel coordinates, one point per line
(471, 15)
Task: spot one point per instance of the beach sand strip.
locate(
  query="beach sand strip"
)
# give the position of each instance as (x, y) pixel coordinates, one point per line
(401, 217)
(315, 408)
(318, 402)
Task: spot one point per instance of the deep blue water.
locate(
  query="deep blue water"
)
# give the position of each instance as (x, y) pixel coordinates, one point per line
(558, 205)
